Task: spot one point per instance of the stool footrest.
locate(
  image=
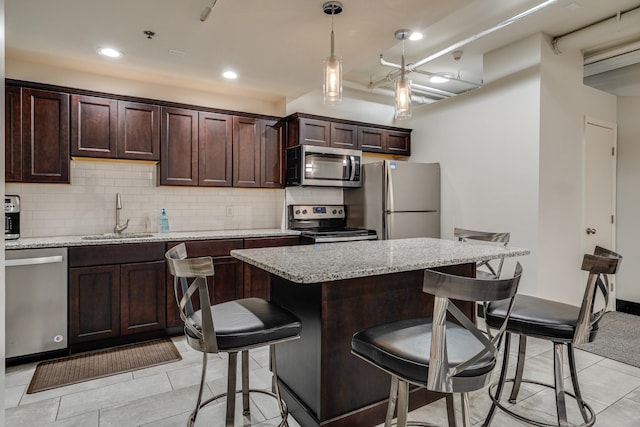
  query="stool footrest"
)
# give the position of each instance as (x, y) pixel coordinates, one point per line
(284, 411)
(492, 387)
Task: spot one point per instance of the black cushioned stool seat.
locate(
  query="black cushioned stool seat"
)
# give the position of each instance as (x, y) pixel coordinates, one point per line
(538, 317)
(399, 347)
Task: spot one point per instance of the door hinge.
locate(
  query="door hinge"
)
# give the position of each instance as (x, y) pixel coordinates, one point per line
(613, 151)
(612, 219)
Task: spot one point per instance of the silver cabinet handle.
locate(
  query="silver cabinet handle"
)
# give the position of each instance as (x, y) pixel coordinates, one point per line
(33, 261)
(591, 231)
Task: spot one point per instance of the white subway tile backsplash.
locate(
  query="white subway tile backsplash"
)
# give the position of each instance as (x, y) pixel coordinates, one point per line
(87, 206)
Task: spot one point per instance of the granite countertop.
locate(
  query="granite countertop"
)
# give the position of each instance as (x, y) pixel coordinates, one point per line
(336, 261)
(65, 241)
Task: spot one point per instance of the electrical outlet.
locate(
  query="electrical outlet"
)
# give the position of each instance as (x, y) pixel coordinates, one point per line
(229, 211)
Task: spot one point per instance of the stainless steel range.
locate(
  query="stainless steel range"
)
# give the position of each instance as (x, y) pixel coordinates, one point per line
(324, 224)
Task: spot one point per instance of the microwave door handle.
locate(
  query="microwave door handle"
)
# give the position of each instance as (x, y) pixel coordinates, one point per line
(352, 163)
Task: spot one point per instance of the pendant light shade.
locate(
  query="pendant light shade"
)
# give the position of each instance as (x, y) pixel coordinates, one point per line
(332, 85)
(403, 84)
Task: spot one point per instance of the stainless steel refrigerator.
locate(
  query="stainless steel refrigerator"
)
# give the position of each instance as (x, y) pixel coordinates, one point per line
(397, 199)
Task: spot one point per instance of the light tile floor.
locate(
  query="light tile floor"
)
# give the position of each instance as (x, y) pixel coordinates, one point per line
(163, 396)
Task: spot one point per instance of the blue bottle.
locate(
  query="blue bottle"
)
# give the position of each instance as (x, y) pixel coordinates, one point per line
(164, 222)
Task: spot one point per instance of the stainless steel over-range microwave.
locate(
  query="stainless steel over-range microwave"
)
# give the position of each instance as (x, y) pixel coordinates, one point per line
(313, 165)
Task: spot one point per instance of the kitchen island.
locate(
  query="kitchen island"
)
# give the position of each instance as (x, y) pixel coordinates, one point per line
(337, 289)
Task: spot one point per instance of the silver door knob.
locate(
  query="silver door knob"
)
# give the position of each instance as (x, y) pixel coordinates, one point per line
(591, 231)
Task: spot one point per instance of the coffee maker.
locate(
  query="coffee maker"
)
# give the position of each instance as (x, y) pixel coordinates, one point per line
(11, 217)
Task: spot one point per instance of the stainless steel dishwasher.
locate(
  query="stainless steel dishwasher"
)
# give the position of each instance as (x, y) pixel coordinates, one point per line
(36, 301)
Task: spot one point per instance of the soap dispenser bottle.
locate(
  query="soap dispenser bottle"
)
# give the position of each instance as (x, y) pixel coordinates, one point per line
(164, 222)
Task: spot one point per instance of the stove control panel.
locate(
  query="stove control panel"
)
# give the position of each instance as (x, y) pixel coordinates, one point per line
(305, 212)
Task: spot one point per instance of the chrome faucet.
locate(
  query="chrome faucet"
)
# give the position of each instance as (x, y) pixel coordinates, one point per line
(119, 228)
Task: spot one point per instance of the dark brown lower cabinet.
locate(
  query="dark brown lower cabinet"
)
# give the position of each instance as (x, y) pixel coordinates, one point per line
(257, 282)
(226, 285)
(116, 291)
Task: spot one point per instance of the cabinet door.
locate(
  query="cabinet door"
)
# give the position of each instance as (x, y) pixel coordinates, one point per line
(314, 132)
(246, 152)
(94, 126)
(138, 131)
(215, 149)
(227, 280)
(371, 139)
(142, 297)
(257, 282)
(344, 136)
(271, 154)
(13, 135)
(398, 143)
(45, 136)
(228, 274)
(94, 303)
(179, 150)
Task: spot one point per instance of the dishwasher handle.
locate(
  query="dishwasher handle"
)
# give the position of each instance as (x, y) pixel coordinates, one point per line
(33, 261)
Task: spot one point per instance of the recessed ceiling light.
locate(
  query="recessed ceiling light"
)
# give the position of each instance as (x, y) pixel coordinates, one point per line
(110, 52)
(416, 36)
(230, 75)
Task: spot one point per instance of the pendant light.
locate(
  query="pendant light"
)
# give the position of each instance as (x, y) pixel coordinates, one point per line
(332, 86)
(403, 84)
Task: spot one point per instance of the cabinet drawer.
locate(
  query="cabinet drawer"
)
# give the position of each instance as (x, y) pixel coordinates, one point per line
(211, 248)
(269, 242)
(82, 256)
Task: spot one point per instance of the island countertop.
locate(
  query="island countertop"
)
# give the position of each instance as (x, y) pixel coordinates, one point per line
(336, 261)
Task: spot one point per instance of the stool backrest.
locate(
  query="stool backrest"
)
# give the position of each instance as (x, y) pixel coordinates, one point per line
(599, 265)
(183, 268)
(445, 287)
(493, 267)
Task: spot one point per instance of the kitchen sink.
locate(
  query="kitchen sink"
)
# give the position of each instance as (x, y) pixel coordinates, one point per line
(114, 236)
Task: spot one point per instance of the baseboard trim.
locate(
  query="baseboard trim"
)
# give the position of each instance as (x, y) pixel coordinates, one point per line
(628, 307)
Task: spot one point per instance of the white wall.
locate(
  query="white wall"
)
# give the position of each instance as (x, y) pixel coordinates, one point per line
(2, 281)
(511, 157)
(628, 207)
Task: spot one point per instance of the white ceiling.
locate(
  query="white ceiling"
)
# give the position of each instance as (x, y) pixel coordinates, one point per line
(276, 46)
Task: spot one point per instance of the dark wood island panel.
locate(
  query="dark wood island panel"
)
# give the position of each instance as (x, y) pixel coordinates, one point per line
(321, 381)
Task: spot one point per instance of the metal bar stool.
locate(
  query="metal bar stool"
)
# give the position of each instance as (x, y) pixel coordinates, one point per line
(436, 353)
(231, 327)
(562, 324)
(484, 269)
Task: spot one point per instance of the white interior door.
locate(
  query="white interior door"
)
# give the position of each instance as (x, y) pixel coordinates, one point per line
(600, 189)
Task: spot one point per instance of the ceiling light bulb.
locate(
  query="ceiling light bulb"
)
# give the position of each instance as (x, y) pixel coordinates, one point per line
(230, 75)
(110, 52)
(438, 79)
(416, 36)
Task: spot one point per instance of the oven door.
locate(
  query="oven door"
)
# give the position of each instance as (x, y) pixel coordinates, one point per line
(324, 166)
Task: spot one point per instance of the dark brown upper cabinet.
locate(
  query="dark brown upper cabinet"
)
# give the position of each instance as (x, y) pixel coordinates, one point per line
(271, 154)
(325, 133)
(45, 136)
(108, 128)
(329, 132)
(179, 146)
(246, 152)
(215, 149)
(13, 135)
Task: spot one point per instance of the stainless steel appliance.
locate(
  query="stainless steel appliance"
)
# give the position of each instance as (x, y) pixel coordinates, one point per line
(397, 199)
(11, 217)
(36, 301)
(323, 166)
(324, 224)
